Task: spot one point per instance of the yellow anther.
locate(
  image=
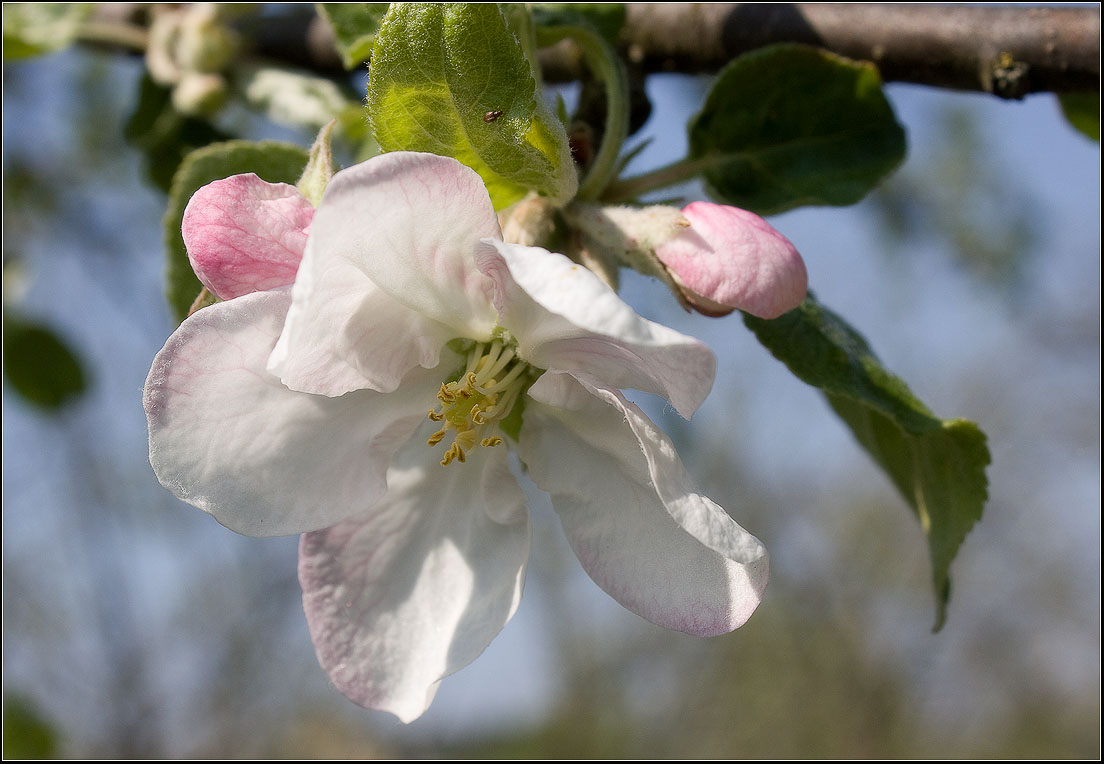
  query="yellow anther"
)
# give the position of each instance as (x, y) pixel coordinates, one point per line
(449, 456)
(473, 404)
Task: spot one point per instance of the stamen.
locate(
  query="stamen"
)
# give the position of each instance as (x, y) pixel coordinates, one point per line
(488, 360)
(465, 439)
(512, 375)
(474, 403)
(499, 365)
(449, 456)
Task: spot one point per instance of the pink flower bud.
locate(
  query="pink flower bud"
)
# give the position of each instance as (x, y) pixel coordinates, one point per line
(246, 235)
(736, 259)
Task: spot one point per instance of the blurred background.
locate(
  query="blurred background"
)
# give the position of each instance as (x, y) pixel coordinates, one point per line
(136, 626)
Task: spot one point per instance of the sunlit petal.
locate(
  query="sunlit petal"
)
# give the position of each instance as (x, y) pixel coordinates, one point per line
(632, 516)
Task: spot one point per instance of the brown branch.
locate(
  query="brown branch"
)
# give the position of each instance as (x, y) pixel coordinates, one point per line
(1007, 51)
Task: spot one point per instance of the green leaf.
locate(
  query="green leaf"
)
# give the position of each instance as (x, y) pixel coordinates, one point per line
(1082, 110)
(273, 161)
(34, 29)
(606, 18)
(27, 735)
(451, 79)
(38, 365)
(355, 26)
(938, 465)
(790, 125)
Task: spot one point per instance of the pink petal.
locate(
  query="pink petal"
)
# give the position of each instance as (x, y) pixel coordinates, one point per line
(735, 258)
(246, 235)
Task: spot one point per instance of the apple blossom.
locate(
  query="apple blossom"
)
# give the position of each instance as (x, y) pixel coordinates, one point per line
(371, 405)
(735, 259)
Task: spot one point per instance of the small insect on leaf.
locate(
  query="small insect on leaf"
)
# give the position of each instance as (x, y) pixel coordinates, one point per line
(491, 116)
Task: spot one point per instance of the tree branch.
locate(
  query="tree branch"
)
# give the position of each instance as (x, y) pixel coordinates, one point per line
(1006, 51)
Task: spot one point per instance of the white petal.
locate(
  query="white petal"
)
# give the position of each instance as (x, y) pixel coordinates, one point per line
(226, 436)
(635, 522)
(410, 222)
(342, 334)
(401, 596)
(566, 319)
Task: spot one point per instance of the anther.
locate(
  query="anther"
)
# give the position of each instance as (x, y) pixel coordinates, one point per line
(449, 456)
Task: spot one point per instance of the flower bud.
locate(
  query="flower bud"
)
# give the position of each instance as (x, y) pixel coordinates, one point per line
(199, 95)
(530, 222)
(204, 44)
(734, 259)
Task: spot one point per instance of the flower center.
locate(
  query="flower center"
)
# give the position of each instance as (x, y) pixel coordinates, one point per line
(475, 403)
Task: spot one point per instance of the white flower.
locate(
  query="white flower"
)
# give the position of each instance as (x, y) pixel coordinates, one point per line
(304, 410)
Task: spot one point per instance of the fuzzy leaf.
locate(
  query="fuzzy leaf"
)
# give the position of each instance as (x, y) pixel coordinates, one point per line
(451, 79)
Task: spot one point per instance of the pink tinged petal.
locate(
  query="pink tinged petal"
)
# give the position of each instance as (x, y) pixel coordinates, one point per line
(635, 522)
(414, 589)
(343, 333)
(566, 319)
(246, 235)
(410, 222)
(226, 436)
(734, 257)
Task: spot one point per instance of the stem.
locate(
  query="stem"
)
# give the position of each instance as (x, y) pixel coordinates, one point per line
(607, 67)
(676, 172)
(114, 33)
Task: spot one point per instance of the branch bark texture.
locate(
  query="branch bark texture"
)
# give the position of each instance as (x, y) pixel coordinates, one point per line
(1006, 51)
